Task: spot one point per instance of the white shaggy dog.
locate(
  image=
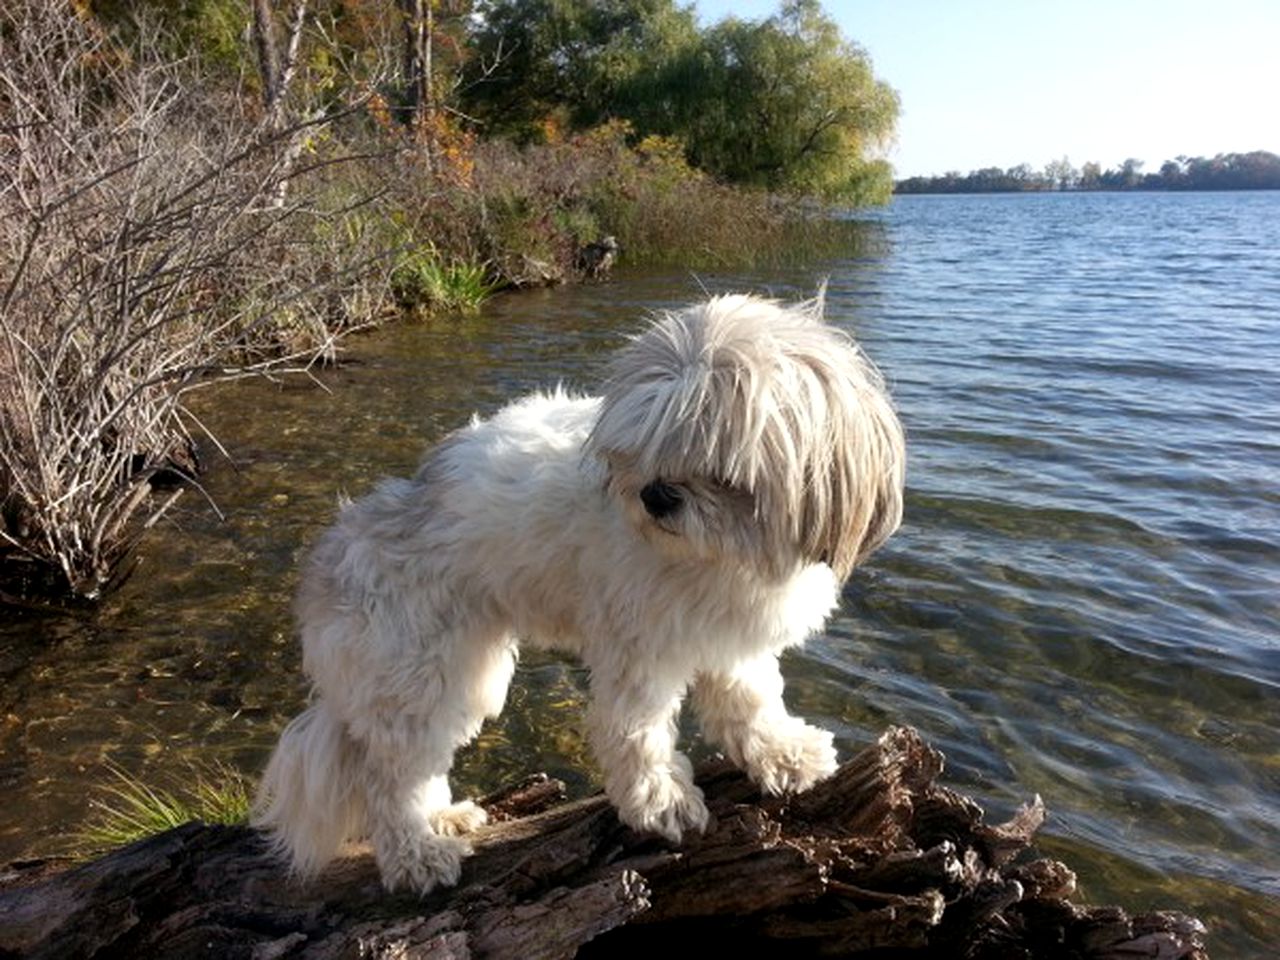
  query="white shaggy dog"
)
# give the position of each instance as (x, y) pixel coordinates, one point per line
(676, 533)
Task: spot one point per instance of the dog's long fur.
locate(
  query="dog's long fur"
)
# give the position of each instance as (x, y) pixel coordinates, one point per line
(677, 533)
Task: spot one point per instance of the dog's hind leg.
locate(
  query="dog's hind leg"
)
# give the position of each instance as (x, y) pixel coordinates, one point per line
(742, 711)
(410, 736)
(405, 801)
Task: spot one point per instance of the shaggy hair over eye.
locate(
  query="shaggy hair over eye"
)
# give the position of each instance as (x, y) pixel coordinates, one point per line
(770, 401)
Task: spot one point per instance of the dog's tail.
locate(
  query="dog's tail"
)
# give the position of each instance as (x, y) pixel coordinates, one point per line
(309, 799)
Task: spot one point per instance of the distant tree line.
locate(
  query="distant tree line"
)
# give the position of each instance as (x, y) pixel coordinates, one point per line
(1258, 170)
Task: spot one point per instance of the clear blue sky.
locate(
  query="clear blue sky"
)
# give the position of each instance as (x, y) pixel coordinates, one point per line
(1001, 82)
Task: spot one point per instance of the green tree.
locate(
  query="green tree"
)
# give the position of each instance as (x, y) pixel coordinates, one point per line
(1131, 172)
(211, 29)
(566, 61)
(1061, 174)
(786, 103)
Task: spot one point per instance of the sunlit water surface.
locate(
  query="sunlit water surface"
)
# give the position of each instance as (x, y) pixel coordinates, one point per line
(1082, 601)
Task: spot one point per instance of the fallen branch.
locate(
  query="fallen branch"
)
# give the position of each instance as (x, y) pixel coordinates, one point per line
(877, 858)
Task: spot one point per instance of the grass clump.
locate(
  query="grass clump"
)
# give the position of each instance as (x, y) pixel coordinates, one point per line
(129, 810)
(424, 282)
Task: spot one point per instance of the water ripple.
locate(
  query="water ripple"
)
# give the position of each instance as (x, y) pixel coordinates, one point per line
(1086, 587)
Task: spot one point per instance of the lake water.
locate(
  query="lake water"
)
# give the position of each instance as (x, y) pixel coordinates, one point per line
(1082, 601)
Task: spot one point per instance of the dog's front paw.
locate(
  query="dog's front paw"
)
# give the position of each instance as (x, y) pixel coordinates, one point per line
(790, 759)
(665, 805)
(419, 861)
(458, 818)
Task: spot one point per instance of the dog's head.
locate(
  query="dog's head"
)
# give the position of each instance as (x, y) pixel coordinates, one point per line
(745, 431)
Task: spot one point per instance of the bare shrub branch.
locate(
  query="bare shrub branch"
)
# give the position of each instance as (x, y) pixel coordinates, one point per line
(147, 246)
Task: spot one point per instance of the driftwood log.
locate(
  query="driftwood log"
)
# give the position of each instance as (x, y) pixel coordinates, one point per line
(878, 861)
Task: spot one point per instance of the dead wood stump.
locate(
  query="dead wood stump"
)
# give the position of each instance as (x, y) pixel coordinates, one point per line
(877, 861)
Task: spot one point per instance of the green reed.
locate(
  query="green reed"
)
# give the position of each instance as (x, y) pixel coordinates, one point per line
(128, 809)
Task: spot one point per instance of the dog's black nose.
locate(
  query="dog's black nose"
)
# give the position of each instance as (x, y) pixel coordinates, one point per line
(661, 499)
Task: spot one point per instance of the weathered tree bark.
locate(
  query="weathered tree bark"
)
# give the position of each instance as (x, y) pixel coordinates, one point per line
(264, 36)
(275, 71)
(418, 18)
(878, 860)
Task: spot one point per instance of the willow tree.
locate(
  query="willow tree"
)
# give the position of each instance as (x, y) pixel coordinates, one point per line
(787, 103)
(558, 63)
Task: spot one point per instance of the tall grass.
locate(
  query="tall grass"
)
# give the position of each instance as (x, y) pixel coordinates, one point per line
(500, 215)
(128, 809)
(424, 281)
